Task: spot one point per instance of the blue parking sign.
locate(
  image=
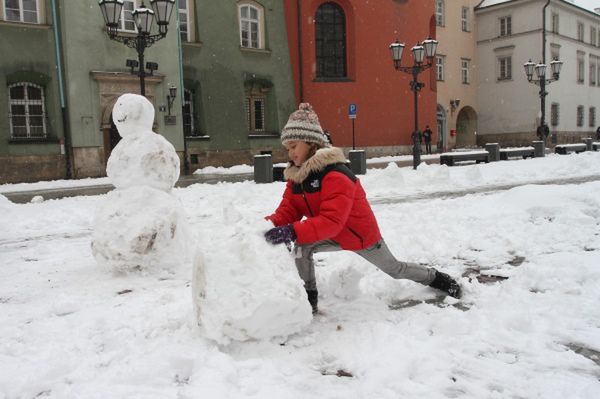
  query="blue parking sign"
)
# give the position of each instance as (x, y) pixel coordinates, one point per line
(352, 109)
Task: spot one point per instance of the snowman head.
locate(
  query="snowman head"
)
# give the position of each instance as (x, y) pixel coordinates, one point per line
(133, 114)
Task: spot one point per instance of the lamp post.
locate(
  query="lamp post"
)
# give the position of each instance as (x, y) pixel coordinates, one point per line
(540, 72)
(144, 17)
(421, 52)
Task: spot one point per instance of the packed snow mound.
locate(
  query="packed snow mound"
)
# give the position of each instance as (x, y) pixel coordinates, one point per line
(248, 289)
(143, 160)
(133, 115)
(140, 228)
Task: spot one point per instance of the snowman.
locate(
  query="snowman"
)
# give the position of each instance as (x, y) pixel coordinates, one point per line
(140, 225)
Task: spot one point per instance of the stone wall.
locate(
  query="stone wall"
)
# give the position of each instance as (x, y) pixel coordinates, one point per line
(31, 168)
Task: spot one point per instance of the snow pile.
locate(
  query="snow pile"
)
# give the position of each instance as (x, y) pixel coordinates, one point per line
(248, 289)
(140, 225)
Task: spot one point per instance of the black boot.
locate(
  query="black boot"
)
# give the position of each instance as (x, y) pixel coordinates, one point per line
(444, 282)
(313, 299)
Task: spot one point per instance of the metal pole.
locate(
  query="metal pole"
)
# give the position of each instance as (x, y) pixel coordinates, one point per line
(353, 147)
(543, 107)
(141, 46)
(416, 147)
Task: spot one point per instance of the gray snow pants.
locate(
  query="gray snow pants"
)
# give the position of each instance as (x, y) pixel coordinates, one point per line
(379, 255)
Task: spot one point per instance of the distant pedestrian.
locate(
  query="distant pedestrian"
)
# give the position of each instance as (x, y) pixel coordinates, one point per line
(598, 133)
(417, 138)
(427, 134)
(542, 131)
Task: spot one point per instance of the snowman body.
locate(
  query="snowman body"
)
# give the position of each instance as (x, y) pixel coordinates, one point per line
(141, 225)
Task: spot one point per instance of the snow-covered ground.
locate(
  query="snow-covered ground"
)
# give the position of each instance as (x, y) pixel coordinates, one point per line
(70, 329)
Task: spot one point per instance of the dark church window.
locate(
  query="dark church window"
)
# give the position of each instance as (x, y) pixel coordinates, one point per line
(330, 25)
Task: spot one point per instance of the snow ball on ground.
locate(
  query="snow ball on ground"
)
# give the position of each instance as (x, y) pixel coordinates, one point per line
(248, 289)
(37, 199)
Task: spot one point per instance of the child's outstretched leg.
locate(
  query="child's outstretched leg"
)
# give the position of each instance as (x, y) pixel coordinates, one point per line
(380, 255)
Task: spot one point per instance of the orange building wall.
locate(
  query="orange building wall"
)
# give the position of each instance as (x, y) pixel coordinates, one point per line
(382, 94)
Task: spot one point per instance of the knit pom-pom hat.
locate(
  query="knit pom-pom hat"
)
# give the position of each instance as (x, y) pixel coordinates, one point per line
(303, 125)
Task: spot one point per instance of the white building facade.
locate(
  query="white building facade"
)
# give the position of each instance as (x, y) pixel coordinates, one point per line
(456, 73)
(512, 32)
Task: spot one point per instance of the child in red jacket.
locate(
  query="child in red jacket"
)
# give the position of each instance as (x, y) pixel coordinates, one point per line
(337, 215)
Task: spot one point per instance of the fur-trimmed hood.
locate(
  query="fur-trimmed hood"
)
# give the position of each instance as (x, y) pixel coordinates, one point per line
(316, 163)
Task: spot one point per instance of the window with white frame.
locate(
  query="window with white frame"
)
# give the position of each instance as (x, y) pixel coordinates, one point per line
(506, 26)
(580, 29)
(184, 21)
(126, 21)
(464, 19)
(593, 71)
(439, 12)
(21, 11)
(593, 36)
(464, 70)
(505, 68)
(255, 113)
(439, 65)
(592, 117)
(27, 112)
(580, 68)
(555, 21)
(580, 110)
(251, 26)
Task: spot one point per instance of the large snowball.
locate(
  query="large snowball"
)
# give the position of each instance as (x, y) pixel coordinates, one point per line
(246, 288)
(140, 228)
(143, 160)
(133, 114)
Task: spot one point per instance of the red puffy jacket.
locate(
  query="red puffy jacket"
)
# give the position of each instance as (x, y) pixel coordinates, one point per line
(333, 201)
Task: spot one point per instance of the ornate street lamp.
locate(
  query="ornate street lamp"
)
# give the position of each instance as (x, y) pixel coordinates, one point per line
(540, 80)
(423, 55)
(144, 18)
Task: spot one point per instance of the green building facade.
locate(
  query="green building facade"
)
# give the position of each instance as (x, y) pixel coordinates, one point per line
(61, 75)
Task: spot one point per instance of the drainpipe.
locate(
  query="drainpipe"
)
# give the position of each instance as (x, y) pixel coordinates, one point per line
(186, 166)
(544, 32)
(300, 69)
(61, 91)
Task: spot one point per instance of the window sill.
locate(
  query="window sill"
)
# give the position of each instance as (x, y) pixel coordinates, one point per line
(263, 135)
(21, 25)
(333, 80)
(199, 138)
(191, 44)
(255, 50)
(49, 140)
(504, 80)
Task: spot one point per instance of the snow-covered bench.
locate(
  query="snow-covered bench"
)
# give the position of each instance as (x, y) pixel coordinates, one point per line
(569, 148)
(449, 158)
(523, 152)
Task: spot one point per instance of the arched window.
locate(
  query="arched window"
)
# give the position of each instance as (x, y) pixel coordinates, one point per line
(27, 112)
(330, 41)
(251, 26)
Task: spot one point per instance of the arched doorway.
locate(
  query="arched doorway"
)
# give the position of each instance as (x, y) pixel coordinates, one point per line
(110, 133)
(442, 137)
(466, 127)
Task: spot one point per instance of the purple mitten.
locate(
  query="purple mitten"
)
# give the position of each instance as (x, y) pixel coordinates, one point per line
(282, 234)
